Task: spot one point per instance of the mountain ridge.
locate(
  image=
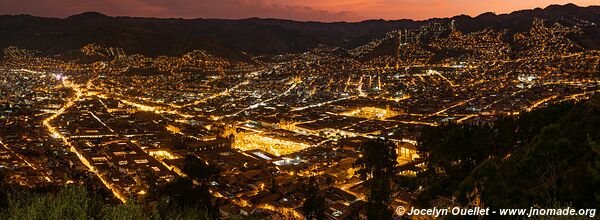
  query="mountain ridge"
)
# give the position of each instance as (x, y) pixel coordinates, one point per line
(232, 39)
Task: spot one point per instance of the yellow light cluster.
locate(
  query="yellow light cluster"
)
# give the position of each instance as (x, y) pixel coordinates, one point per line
(275, 146)
(371, 113)
(163, 154)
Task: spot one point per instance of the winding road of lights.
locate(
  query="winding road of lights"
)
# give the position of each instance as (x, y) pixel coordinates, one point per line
(56, 134)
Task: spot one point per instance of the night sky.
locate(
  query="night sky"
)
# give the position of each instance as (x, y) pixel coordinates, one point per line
(315, 10)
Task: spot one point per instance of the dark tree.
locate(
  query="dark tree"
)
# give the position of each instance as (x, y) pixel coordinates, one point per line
(377, 164)
(595, 168)
(273, 188)
(546, 156)
(314, 205)
(191, 192)
(183, 194)
(4, 188)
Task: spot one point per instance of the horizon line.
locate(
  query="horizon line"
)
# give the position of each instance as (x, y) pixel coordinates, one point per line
(305, 21)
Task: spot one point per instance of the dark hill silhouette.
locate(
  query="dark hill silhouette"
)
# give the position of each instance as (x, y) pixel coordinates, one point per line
(228, 38)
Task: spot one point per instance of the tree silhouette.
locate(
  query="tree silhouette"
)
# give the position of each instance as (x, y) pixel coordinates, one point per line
(377, 165)
(314, 205)
(545, 156)
(181, 193)
(273, 186)
(595, 167)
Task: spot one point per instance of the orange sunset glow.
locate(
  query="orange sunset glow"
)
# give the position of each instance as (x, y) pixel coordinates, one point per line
(306, 10)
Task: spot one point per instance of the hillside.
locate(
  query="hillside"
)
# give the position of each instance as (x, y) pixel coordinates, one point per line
(234, 38)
